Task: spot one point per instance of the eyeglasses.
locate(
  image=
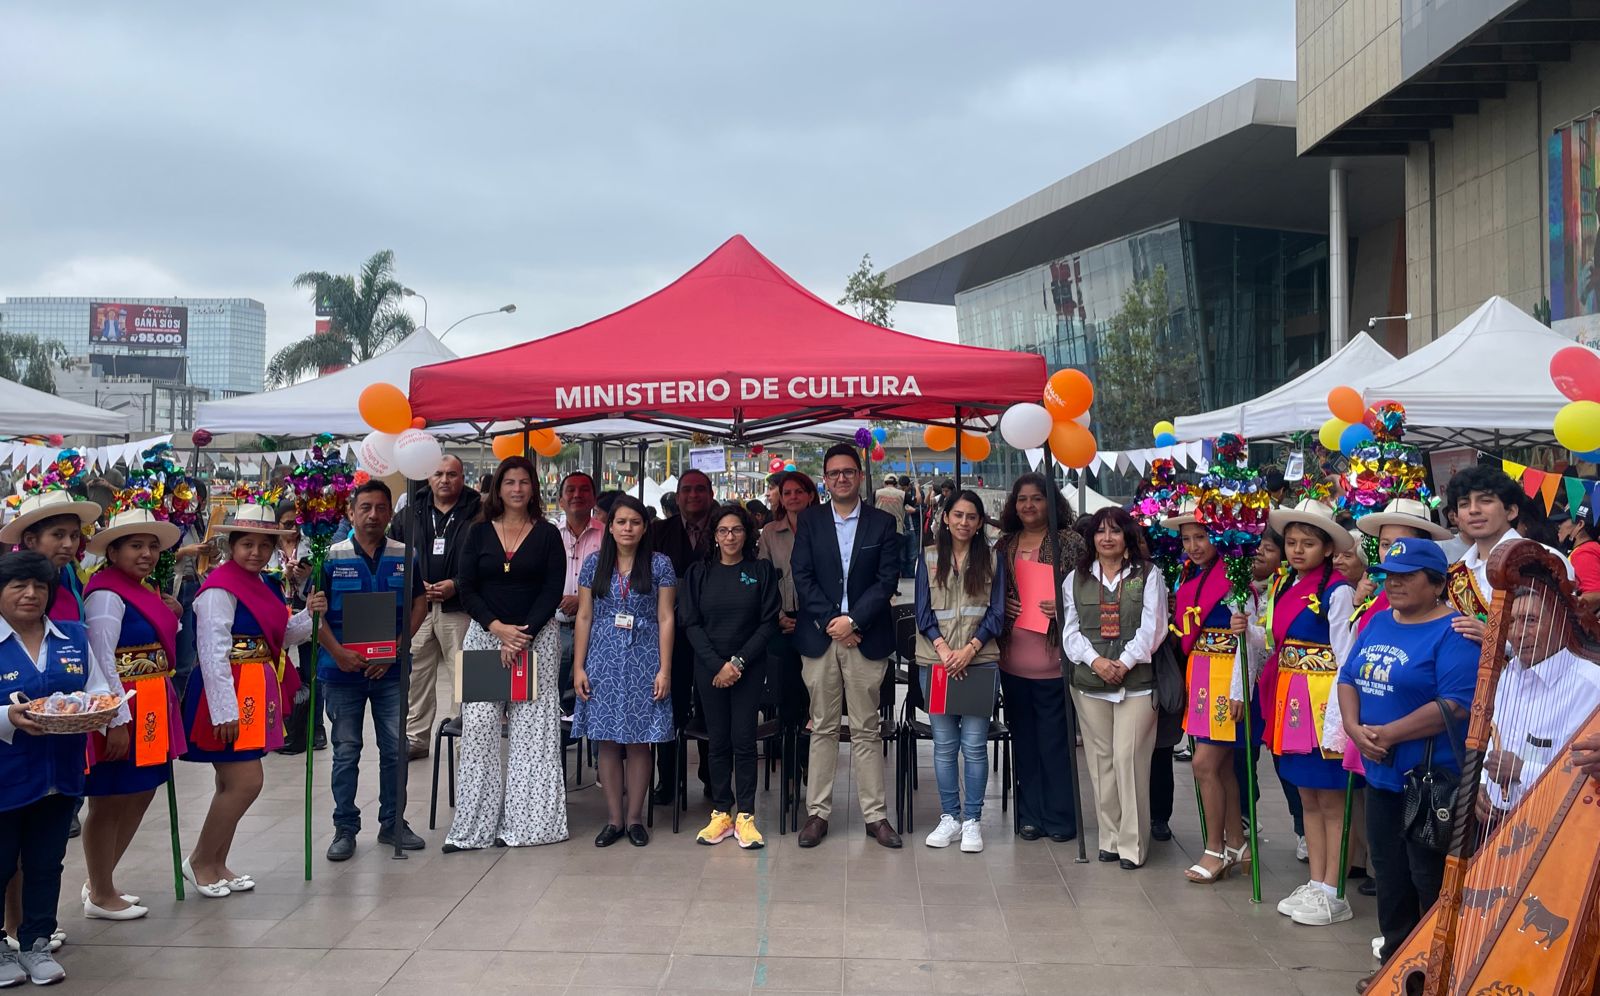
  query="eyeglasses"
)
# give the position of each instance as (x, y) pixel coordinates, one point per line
(730, 531)
(842, 475)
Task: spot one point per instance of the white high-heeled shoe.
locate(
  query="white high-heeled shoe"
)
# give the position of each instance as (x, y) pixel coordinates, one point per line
(215, 890)
(93, 912)
(84, 895)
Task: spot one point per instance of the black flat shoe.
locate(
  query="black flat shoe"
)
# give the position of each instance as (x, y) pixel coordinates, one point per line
(1108, 856)
(1029, 832)
(662, 796)
(608, 835)
(1368, 887)
(638, 836)
(1062, 838)
(1129, 866)
(1160, 830)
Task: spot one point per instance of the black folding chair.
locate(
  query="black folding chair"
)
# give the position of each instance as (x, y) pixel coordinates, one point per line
(914, 728)
(887, 731)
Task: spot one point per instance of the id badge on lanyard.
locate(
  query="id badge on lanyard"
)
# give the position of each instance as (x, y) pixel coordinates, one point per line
(624, 619)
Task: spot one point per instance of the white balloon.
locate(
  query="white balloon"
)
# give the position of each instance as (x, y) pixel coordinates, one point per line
(376, 454)
(1084, 419)
(1025, 426)
(417, 454)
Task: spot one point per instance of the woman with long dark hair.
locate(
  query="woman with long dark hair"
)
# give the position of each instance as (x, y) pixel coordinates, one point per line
(1115, 616)
(1030, 662)
(729, 607)
(960, 605)
(622, 664)
(513, 568)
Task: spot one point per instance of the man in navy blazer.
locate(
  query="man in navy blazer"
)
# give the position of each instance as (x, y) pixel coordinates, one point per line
(846, 568)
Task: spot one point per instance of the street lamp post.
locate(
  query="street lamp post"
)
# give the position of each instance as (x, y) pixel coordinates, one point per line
(509, 309)
(408, 292)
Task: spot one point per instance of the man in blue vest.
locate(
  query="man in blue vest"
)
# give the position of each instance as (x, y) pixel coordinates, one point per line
(369, 561)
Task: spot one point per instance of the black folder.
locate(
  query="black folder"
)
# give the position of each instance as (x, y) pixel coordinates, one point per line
(369, 625)
(480, 677)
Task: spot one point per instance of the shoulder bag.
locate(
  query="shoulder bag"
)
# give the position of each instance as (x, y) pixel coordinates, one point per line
(1427, 816)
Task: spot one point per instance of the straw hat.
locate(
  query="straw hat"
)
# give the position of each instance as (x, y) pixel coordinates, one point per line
(134, 521)
(47, 505)
(1402, 512)
(1186, 514)
(252, 517)
(1313, 513)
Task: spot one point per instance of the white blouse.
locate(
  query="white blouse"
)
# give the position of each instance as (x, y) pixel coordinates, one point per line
(214, 610)
(102, 616)
(1141, 646)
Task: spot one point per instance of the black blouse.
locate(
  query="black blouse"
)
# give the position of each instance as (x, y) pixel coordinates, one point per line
(525, 595)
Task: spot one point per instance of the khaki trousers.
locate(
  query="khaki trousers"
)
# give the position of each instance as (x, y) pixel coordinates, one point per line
(438, 640)
(1118, 739)
(843, 681)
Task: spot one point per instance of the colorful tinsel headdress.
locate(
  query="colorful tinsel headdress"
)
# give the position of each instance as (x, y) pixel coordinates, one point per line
(65, 473)
(1233, 506)
(1386, 468)
(1156, 498)
(322, 485)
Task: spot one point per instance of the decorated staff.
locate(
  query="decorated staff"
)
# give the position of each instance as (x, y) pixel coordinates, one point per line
(1232, 506)
(322, 485)
(161, 485)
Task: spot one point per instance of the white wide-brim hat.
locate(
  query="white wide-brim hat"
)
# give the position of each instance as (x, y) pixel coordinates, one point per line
(252, 518)
(1186, 514)
(1402, 512)
(47, 505)
(1313, 513)
(133, 522)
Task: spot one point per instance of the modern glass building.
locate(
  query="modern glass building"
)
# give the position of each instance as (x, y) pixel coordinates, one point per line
(226, 349)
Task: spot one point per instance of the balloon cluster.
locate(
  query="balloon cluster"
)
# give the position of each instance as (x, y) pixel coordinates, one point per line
(1062, 420)
(544, 442)
(322, 484)
(1233, 506)
(1164, 433)
(1575, 371)
(974, 445)
(398, 441)
(1158, 497)
(160, 486)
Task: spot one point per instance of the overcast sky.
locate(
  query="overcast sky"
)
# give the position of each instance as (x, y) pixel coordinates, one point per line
(569, 158)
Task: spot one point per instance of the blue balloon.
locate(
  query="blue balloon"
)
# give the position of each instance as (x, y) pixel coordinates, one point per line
(1166, 439)
(1353, 438)
(1593, 456)
(880, 434)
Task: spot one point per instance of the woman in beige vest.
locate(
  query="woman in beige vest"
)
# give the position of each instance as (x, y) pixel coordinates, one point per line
(1115, 615)
(960, 603)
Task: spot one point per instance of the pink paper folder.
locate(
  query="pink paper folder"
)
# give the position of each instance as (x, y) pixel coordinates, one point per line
(1036, 582)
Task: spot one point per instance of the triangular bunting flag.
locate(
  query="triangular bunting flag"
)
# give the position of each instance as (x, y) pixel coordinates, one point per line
(1121, 461)
(1513, 469)
(1576, 493)
(1532, 481)
(1035, 456)
(1547, 491)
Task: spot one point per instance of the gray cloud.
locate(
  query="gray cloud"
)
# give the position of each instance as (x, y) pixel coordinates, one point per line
(567, 158)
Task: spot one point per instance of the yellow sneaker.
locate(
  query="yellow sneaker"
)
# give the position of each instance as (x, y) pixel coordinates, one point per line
(744, 828)
(719, 829)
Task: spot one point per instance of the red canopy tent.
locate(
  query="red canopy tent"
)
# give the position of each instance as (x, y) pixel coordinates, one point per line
(735, 339)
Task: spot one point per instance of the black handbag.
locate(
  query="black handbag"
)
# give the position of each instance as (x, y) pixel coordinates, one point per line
(1170, 695)
(1428, 814)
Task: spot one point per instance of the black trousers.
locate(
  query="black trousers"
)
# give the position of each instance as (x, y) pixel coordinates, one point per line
(1161, 785)
(1041, 746)
(684, 703)
(731, 715)
(33, 840)
(785, 684)
(1408, 875)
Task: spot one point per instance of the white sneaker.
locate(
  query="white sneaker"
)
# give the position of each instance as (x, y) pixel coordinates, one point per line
(971, 837)
(1377, 947)
(946, 833)
(1301, 852)
(1321, 909)
(1296, 899)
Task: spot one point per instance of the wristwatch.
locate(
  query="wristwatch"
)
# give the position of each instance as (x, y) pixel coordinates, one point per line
(737, 662)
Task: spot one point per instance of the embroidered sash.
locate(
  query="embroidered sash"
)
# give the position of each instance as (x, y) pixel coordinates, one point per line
(255, 594)
(1461, 591)
(143, 600)
(1196, 598)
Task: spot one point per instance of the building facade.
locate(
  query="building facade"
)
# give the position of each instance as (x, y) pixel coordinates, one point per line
(226, 338)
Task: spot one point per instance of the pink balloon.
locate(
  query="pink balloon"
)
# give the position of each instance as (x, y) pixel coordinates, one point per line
(1576, 373)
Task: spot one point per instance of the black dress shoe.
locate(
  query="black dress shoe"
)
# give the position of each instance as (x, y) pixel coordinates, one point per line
(1128, 866)
(1160, 830)
(343, 846)
(1108, 856)
(408, 840)
(1029, 832)
(1062, 838)
(320, 741)
(662, 796)
(76, 827)
(1355, 872)
(638, 836)
(608, 835)
(1368, 887)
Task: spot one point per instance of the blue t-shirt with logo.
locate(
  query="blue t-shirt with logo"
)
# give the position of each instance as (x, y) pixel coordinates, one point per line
(1400, 667)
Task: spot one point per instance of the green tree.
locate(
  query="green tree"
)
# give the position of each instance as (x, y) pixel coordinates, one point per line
(32, 361)
(869, 294)
(365, 319)
(1141, 376)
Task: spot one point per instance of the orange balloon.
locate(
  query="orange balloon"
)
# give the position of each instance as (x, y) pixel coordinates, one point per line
(507, 446)
(1068, 394)
(385, 408)
(1346, 405)
(538, 438)
(419, 423)
(974, 446)
(547, 448)
(939, 438)
(1072, 444)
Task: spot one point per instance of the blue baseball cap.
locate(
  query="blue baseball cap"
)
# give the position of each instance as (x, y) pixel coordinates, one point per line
(1410, 554)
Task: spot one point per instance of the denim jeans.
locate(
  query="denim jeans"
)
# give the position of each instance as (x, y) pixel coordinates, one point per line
(911, 545)
(967, 736)
(347, 709)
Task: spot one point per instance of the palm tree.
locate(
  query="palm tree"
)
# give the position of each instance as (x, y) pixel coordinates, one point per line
(365, 319)
(32, 361)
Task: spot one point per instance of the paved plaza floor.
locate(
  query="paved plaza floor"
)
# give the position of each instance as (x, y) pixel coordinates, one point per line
(848, 916)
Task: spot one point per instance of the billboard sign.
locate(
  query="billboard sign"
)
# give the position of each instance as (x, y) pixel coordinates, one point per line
(142, 326)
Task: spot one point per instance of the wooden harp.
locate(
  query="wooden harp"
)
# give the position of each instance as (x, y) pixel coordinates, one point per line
(1519, 910)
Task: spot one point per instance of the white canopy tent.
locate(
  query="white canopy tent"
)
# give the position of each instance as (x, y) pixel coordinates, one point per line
(25, 411)
(1485, 383)
(1299, 405)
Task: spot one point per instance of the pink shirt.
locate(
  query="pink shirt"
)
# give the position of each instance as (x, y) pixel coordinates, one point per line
(578, 549)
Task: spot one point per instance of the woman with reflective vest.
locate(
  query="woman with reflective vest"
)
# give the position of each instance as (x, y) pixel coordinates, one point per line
(961, 609)
(136, 627)
(233, 704)
(41, 775)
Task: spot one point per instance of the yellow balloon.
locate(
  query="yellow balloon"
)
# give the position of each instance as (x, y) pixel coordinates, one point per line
(1578, 426)
(1163, 427)
(1330, 433)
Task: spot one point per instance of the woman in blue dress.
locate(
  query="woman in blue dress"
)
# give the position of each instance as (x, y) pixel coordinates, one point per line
(622, 664)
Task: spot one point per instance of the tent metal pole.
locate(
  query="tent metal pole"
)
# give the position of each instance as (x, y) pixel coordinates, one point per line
(403, 662)
(958, 449)
(1059, 571)
(644, 449)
